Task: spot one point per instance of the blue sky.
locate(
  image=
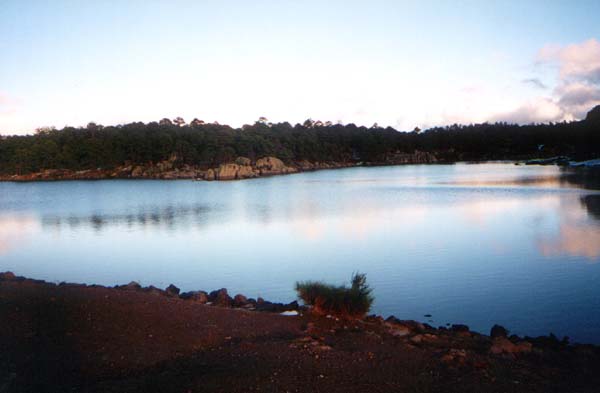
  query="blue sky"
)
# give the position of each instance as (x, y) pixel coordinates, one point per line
(403, 64)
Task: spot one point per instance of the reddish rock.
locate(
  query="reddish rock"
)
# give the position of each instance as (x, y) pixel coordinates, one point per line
(172, 290)
(503, 345)
(196, 296)
(220, 297)
(240, 300)
(7, 276)
(132, 286)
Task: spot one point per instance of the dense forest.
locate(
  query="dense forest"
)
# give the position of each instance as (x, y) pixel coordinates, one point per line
(208, 145)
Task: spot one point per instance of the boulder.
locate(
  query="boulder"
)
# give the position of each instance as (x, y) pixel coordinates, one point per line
(498, 331)
(453, 355)
(197, 296)
(164, 166)
(240, 300)
(232, 171)
(412, 325)
(306, 165)
(170, 175)
(209, 175)
(293, 305)
(172, 290)
(132, 286)
(246, 172)
(267, 306)
(187, 174)
(272, 166)
(503, 345)
(220, 297)
(423, 338)
(398, 330)
(227, 171)
(137, 171)
(153, 290)
(7, 276)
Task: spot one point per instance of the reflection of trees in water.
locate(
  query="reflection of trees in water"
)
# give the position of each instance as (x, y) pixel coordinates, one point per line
(169, 217)
(592, 205)
(588, 178)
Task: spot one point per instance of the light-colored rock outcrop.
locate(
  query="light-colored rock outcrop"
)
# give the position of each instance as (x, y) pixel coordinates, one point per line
(209, 175)
(417, 157)
(227, 171)
(504, 345)
(242, 168)
(246, 172)
(272, 166)
(232, 171)
(137, 171)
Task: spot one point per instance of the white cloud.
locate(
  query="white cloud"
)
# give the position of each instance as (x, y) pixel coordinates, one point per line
(577, 91)
(576, 61)
(537, 111)
(578, 98)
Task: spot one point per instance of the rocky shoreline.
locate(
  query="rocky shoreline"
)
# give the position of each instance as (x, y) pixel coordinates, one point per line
(133, 338)
(240, 168)
(563, 161)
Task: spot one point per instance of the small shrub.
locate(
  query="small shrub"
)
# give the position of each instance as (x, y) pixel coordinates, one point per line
(353, 302)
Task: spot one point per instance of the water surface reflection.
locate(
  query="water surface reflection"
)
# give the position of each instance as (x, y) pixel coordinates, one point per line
(169, 217)
(16, 230)
(476, 244)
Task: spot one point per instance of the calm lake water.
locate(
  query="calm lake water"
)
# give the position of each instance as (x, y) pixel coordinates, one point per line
(478, 244)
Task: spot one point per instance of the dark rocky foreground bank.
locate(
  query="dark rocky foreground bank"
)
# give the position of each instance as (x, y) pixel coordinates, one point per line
(78, 338)
(241, 168)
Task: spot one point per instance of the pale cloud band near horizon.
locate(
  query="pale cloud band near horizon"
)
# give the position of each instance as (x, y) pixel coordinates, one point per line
(396, 63)
(577, 67)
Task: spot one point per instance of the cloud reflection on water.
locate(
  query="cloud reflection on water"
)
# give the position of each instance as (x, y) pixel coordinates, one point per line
(578, 233)
(15, 231)
(389, 209)
(575, 240)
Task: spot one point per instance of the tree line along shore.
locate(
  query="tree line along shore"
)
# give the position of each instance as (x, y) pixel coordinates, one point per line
(172, 149)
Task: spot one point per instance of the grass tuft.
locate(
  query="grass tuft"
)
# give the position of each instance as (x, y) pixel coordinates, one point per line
(353, 302)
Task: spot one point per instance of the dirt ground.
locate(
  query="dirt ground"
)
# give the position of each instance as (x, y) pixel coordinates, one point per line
(77, 338)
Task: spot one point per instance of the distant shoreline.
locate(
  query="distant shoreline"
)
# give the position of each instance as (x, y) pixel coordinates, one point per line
(241, 168)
